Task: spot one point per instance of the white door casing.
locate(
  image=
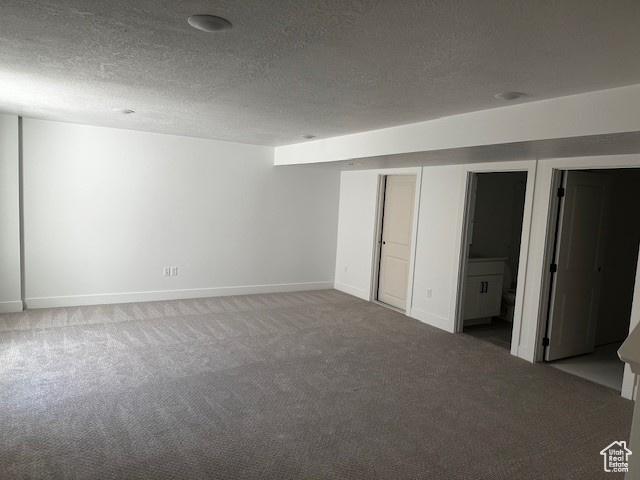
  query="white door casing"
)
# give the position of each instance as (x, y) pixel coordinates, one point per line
(395, 251)
(579, 257)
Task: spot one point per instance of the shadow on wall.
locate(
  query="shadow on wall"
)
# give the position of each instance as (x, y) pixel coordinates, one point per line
(623, 239)
(497, 226)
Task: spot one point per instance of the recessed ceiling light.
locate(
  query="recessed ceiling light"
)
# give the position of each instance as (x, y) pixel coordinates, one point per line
(510, 95)
(124, 111)
(308, 136)
(209, 23)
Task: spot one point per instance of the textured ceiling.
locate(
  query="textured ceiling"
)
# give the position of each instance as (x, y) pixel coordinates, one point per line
(287, 68)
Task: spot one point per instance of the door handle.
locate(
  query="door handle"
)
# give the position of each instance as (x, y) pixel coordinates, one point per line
(383, 242)
(481, 287)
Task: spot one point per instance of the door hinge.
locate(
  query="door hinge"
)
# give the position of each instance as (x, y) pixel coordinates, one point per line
(561, 192)
(545, 342)
(553, 268)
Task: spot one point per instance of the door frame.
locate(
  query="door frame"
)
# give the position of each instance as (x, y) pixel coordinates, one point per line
(530, 168)
(630, 381)
(377, 236)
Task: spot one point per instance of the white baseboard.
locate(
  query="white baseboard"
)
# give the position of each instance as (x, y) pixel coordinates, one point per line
(434, 320)
(130, 297)
(11, 307)
(351, 290)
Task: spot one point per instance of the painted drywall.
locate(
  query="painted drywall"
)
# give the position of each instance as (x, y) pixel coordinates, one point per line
(105, 210)
(439, 220)
(619, 268)
(607, 111)
(9, 216)
(530, 336)
(437, 250)
(498, 218)
(356, 229)
(438, 246)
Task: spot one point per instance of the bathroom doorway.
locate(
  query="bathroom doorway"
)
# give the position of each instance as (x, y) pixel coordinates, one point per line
(592, 274)
(491, 250)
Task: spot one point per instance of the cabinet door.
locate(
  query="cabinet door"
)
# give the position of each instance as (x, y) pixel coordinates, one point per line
(492, 297)
(473, 297)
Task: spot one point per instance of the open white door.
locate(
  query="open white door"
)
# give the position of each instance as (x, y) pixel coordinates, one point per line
(579, 255)
(397, 222)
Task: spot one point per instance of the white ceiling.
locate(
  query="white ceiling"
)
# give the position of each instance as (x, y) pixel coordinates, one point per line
(288, 68)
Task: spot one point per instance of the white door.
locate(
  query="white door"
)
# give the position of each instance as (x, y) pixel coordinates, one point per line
(472, 302)
(579, 256)
(491, 296)
(397, 222)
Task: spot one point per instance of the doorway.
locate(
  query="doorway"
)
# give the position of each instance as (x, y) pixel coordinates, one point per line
(595, 255)
(491, 250)
(396, 231)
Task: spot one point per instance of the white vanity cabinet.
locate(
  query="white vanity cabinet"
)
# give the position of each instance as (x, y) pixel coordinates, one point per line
(483, 288)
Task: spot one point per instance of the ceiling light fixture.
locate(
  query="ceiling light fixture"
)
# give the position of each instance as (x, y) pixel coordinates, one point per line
(124, 111)
(508, 96)
(308, 136)
(209, 23)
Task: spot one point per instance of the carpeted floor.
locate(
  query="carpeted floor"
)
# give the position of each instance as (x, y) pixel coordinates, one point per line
(311, 385)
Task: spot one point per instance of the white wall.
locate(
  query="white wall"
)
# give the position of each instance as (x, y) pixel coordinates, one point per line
(438, 246)
(534, 301)
(438, 238)
(594, 113)
(106, 209)
(356, 229)
(9, 216)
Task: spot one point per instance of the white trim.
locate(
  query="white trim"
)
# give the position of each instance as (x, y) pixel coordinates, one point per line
(530, 167)
(414, 240)
(373, 287)
(351, 290)
(377, 238)
(437, 321)
(11, 307)
(150, 296)
(549, 255)
(459, 292)
(630, 379)
(629, 383)
(534, 315)
(534, 312)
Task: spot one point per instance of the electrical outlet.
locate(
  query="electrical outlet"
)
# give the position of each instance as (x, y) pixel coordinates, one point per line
(174, 271)
(429, 292)
(166, 271)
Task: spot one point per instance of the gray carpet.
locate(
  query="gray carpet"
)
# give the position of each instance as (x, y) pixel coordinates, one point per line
(312, 385)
